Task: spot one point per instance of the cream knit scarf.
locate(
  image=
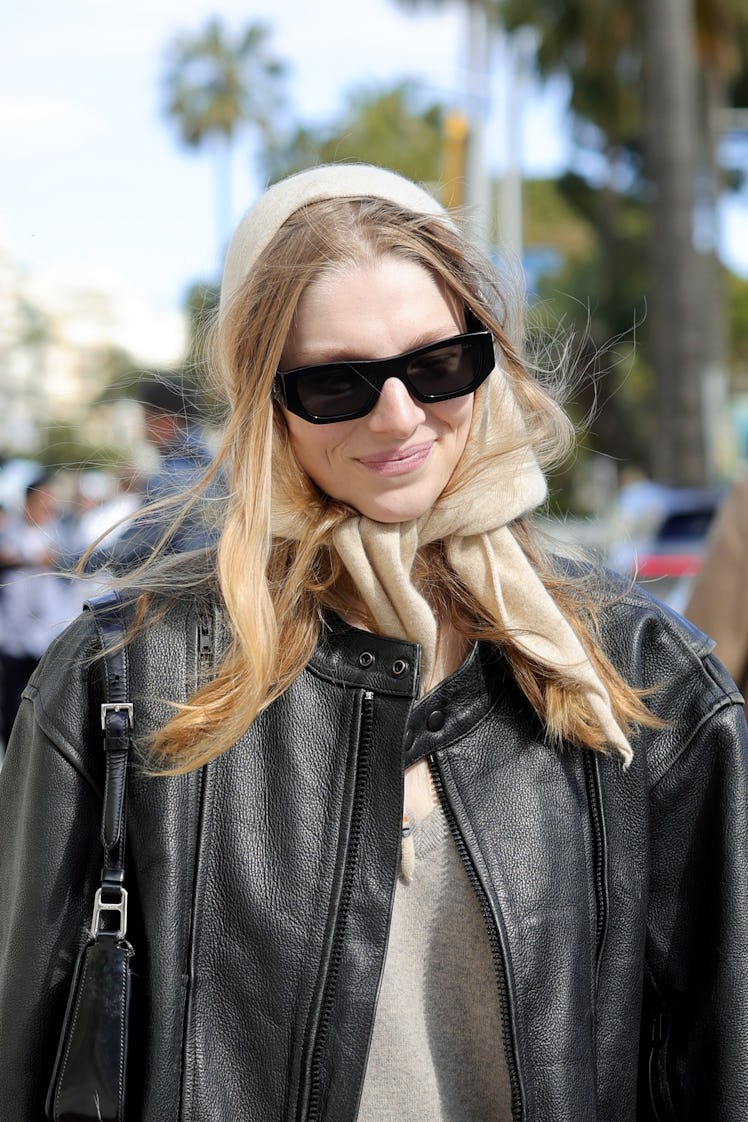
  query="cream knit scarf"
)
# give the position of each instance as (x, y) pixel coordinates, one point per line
(474, 523)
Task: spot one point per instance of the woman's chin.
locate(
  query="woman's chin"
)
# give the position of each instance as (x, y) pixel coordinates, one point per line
(393, 511)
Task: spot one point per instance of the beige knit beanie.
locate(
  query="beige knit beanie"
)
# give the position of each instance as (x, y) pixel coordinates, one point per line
(262, 221)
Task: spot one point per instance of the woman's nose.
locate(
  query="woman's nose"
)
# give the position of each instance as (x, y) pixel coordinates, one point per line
(396, 410)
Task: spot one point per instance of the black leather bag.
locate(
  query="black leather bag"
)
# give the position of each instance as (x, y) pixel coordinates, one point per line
(90, 1073)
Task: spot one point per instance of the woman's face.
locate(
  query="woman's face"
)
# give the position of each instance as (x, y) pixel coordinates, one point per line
(392, 464)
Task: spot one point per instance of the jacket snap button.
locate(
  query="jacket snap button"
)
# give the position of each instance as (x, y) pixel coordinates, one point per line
(366, 658)
(435, 721)
(399, 667)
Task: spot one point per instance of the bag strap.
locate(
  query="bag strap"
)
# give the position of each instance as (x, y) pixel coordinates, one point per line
(110, 902)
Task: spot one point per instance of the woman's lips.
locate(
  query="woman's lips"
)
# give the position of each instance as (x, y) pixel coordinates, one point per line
(399, 461)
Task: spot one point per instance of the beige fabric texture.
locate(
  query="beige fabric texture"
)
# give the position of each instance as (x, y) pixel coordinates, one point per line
(330, 181)
(474, 523)
(437, 1048)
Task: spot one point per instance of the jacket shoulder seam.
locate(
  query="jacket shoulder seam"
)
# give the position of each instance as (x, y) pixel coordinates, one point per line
(726, 701)
(57, 741)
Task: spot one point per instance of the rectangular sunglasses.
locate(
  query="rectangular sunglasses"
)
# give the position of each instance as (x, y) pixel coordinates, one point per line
(343, 391)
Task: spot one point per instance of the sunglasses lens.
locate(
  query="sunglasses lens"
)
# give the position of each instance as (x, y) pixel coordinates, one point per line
(446, 370)
(334, 391)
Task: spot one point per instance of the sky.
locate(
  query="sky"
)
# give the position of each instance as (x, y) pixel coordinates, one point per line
(94, 186)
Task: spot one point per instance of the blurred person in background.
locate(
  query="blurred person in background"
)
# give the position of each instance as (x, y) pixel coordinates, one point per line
(172, 425)
(171, 422)
(718, 601)
(35, 598)
(101, 507)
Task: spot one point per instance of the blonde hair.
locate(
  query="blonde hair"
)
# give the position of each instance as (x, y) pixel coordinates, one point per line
(275, 590)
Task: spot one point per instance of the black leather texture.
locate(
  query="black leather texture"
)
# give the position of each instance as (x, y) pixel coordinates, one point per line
(89, 1079)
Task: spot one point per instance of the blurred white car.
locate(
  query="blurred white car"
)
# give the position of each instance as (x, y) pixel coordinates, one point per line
(670, 557)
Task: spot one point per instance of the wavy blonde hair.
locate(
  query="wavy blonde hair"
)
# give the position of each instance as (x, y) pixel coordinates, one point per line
(274, 590)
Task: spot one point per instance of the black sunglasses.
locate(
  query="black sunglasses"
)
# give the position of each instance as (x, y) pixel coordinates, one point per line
(342, 391)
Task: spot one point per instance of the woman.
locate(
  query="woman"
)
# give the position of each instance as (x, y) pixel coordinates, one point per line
(407, 839)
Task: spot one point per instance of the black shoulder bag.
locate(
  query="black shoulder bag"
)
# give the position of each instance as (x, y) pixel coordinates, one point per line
(91, 1066)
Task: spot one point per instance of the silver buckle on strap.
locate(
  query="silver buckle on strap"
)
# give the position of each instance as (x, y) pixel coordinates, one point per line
(118, 906)
(116, 707)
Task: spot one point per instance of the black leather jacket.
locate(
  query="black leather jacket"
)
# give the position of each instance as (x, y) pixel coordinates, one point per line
(261, 885)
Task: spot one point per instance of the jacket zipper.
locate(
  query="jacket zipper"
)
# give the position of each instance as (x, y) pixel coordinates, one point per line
(496, 949)
(203, 672)
(204, 649)
(594, 802)
(362, 768)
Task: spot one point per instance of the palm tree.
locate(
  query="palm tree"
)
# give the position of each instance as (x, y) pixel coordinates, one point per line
(659, 91)
(218, 85)
(677, 300)
(607, 49)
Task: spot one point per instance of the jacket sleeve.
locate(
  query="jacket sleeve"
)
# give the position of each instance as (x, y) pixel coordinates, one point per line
(718, 604)
(696, 975)
(50, 857)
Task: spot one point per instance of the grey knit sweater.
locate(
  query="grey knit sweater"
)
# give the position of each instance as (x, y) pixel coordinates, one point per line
(437, 1052)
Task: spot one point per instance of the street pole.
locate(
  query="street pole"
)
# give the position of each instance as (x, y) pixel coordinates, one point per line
(477, 188)
(516, 54)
